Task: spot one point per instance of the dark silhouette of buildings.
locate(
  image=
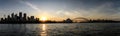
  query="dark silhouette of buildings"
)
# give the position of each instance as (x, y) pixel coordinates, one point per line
(22, 18)
(68, 20)
(101, 21)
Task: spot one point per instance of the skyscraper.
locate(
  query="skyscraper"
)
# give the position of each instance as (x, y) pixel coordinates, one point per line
(8, 16)
(19, 18)
(12, 15)
(20, 14)
(24, 15)
(2, 19)
(16, 17)
(32, 17)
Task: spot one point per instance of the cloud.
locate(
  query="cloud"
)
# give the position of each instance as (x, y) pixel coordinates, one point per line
(31, 5)
(103, 11)
(88, 9)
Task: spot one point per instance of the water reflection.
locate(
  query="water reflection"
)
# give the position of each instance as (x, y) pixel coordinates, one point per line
(75, 29)
(43, 33)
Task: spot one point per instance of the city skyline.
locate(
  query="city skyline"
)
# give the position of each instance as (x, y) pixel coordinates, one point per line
(24, 18)
(62, 9)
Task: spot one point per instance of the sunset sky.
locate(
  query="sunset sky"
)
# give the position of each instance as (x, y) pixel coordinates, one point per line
(62, 9)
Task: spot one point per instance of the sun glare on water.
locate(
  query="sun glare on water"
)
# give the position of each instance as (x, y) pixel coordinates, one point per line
(43, 33)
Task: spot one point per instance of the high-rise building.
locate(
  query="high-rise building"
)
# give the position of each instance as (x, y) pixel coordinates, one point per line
(28, 18)
(16, 17)
(2, 19)
(24, 15)
(20, 14)
(12, 15)
(8, 17)
(32, 17)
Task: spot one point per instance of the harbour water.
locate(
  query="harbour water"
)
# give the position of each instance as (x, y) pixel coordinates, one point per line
(61, 29)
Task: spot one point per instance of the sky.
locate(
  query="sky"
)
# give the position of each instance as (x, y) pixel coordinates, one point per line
(62, 9)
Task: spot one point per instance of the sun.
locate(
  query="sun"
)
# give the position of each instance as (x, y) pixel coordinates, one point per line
(43, 18)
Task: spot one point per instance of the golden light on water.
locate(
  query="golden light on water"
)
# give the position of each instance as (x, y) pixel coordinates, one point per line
(43, 33)
(43, 27)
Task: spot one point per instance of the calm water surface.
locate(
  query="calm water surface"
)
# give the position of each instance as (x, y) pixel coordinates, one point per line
(61, 29)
